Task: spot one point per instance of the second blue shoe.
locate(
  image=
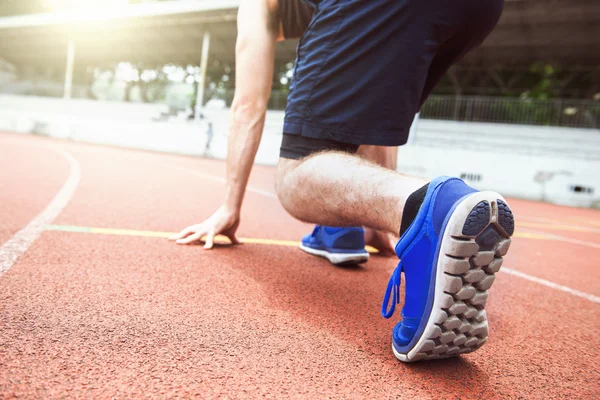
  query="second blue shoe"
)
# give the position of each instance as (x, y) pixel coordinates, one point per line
(449, 256)
(338, 245)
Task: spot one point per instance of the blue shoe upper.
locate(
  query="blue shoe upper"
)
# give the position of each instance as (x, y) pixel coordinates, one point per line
(336, 240)
(418, 250)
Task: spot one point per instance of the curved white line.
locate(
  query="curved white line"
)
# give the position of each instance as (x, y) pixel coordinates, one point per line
(23, 239)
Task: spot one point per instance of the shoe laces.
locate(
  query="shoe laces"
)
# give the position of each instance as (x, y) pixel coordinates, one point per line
(393, 290)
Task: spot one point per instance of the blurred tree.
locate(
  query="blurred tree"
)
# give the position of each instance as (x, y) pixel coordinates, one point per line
(152, 81)
(544, 82)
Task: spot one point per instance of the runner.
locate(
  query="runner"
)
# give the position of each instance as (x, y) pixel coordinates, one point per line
(288, 19)
(363, 70)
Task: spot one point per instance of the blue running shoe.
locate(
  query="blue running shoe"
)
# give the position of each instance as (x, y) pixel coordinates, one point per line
(449, 256)
(338, 245)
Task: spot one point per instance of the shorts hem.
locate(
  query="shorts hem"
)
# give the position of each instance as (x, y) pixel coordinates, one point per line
(375, 138)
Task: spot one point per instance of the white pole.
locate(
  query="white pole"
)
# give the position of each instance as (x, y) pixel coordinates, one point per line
(69, 69)
(202, 83)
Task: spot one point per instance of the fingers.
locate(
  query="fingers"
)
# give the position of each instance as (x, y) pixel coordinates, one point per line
(192, 238)
(209, 241)
(183, 233)
(219, 223)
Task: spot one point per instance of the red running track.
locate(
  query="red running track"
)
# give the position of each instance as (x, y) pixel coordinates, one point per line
(95, 315)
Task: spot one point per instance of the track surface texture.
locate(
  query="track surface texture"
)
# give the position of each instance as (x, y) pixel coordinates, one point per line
(134, 316)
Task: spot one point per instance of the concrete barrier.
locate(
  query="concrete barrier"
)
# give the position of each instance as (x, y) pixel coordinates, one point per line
(558, 165)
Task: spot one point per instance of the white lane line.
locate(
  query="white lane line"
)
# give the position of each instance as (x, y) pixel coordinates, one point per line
(219, 179)
(509, 271)
(23, 239)
(552, 285)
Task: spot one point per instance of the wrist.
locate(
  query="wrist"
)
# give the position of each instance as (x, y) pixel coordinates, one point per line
(234, 197)
(232, 207)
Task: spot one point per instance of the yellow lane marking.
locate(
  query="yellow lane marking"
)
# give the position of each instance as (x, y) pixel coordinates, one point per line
(527, 235)
(558, 227)
(120, 232)
(130, 232)
(219, 239)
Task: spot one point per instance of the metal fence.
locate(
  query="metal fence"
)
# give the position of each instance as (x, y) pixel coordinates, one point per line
(554, 112)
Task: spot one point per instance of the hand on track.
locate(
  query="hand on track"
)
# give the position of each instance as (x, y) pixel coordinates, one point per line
(224, 222)
(381, 241)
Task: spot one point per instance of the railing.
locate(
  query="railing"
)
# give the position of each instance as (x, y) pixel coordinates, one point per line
(555, 112)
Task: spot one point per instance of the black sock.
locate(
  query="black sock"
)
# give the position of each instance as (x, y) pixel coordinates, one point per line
(411, 208)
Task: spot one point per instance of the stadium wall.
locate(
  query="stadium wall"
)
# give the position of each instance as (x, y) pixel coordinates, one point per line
(558, 165)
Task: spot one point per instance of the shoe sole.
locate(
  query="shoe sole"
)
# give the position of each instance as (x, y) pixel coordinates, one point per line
(475, 240)
(338, 258)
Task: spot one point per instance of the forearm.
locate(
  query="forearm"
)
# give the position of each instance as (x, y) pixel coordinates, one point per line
(246, 127)
(255, 55)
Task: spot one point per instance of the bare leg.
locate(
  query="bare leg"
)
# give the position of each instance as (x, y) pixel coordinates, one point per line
(338, 189)
(386, 157)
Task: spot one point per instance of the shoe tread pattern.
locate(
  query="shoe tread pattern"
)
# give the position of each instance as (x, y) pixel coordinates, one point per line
(478, 219)
(506, 218)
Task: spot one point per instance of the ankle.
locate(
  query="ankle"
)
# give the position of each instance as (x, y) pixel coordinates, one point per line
(411, 208)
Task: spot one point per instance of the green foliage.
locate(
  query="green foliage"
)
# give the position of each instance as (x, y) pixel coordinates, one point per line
(547, 85)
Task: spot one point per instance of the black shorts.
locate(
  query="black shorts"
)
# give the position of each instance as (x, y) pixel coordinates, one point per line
(364, 67)
(297, 146)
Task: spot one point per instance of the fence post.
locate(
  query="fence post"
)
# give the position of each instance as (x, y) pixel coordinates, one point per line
(68, 87)
(559, 111)
(469, 110)
(202, 83)
(457, 101)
